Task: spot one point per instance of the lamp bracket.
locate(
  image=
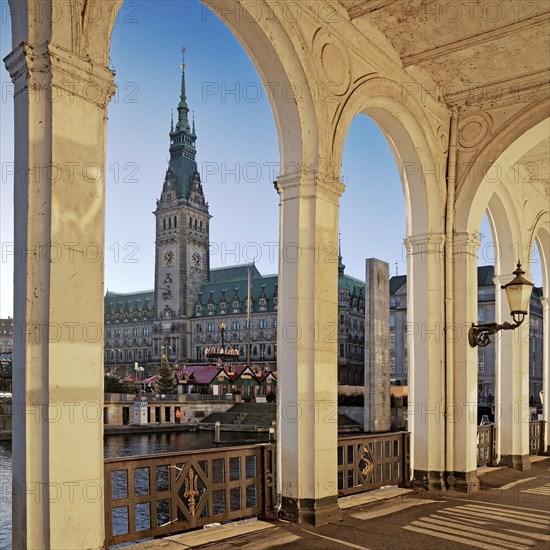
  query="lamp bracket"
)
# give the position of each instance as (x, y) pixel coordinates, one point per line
(479, 335)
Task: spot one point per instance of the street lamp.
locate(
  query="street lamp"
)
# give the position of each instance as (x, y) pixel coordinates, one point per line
(518, 292)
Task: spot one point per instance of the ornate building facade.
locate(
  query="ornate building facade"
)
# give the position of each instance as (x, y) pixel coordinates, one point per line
(181, 316)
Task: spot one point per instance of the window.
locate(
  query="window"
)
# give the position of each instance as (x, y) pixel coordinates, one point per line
(274, 323)
(211, 327)
(236, 325)
(392, 364)
(392, 341)
(405, 341)
(198, 352)
(406, 364)
(199, 327)
(175, 221)
(263, 323)
(481, 362)
(392, 320)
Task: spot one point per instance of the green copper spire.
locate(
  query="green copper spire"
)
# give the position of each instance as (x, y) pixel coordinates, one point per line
(182, 142)
(183, 109)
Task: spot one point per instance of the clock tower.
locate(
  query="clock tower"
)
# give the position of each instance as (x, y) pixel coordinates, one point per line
(182, 238)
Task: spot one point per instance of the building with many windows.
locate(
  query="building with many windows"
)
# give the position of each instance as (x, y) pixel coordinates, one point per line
(486, 355)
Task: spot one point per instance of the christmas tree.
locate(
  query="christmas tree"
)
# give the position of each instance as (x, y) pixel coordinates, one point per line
(166, 383)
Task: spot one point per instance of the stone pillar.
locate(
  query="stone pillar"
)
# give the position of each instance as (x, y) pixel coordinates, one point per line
(307, 383)
(425, 353)
(512, 384)
(461, 418)
(60, 121)
(377, 347)
(546, 370)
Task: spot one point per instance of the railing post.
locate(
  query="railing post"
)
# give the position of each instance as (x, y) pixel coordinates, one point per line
(405, 460)
(493, 447)
(268, 482)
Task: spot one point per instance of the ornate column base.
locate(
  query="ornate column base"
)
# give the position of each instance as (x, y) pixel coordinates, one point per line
(432, 480)
(517, 462)
(464, 482)
(309, 510)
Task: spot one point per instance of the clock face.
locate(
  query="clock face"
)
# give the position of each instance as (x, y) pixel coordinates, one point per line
(196, 259)
(169, 257)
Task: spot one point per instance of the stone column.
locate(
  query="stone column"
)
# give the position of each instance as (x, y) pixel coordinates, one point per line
(425, 350)
(60, 121)
(512, 381)
(461, 418)
(377, 347)
(546, 370)
(307, 333)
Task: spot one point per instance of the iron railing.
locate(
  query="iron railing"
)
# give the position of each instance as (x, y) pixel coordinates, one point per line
(158, 495)
(536, 437)
(369, 462)
(486, 445)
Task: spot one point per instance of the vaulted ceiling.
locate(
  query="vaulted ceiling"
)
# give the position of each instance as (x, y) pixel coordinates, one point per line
(471, 49)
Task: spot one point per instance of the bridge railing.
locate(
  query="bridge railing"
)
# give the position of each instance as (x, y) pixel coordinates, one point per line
(486, 442)
(369, 462)
(486, 445)
(158, 495)
(536, 437)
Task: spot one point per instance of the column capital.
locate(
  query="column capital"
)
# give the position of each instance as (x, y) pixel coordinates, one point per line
(56, 73)
(465, 245)
(427, 243)
(309, 184)
(545, 303)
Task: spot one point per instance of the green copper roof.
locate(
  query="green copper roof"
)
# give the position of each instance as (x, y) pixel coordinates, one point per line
(231, 282)
(351, 283)
(233, 273)
(131, 299)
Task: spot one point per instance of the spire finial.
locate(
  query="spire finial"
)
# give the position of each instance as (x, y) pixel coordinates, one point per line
(171, 120)
(183, 97)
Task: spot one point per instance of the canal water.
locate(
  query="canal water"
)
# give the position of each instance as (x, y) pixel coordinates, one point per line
(117, 446)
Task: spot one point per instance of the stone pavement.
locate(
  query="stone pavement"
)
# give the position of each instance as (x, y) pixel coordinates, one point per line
(511, 511)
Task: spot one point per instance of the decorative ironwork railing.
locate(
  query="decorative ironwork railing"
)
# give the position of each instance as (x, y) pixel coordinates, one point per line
(536, 437)
(486, 445)
(369, 462)
(159, 495)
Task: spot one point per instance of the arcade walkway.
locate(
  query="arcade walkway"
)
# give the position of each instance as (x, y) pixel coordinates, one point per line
(512, 511)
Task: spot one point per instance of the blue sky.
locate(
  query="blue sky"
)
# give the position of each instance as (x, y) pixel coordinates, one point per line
(237, 152)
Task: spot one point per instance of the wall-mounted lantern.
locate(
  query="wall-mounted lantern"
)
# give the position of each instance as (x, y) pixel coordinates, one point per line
(518, 292)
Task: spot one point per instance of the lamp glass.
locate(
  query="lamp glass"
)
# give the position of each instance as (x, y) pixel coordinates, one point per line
(518, 292)
(518, 297)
